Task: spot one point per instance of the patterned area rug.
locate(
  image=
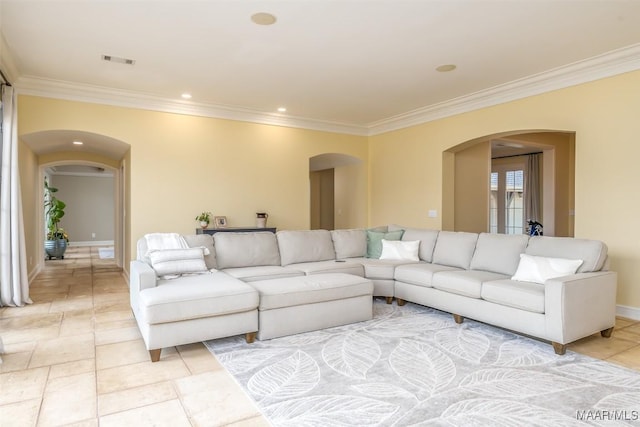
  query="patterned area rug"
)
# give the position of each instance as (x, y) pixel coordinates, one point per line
(413, 365)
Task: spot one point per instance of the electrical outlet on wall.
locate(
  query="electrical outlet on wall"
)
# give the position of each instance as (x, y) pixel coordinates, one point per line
(433, 213)
(93, 235)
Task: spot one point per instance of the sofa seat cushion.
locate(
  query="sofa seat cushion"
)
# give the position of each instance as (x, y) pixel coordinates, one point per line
(522, 295)
(293, 291)
(193, 297)
(420, 274)
(467, 283)
(331, 266)
(262, 272)
(379, 268)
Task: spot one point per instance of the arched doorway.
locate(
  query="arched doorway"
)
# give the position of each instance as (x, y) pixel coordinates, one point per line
(78, 151)
(336, 184)
(468, 168)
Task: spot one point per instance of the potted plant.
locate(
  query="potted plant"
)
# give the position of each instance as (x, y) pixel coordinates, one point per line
(204, 218)
(56, 243)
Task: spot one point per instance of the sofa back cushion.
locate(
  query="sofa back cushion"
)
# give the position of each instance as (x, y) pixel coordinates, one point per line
(454, 248)
(593, 253)
(499, 253)
(349, 243)
(203, 241)
(246, 249)
(305, 246)
(427, 239)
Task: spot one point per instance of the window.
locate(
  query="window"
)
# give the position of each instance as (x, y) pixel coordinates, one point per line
(506, 205)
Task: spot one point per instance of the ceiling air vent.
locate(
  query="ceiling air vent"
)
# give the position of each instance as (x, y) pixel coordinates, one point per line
(119, 60)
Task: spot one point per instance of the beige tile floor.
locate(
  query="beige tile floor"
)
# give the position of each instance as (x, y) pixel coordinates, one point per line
(75, 357)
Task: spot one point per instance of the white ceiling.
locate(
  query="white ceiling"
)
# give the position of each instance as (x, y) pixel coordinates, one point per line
(350, 63)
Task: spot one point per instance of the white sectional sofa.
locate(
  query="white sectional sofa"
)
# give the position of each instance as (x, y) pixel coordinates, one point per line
(301, 280)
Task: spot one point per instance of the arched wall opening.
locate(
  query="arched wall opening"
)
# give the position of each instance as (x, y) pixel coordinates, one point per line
(337, 190)
(88, 231)
(467, 170)
(47, 149)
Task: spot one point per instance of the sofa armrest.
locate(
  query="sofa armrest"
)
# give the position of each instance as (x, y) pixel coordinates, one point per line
(141, 276)
(580, 305)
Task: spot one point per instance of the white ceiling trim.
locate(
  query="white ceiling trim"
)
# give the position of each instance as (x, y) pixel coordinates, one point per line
(48, 88)
(609, 64)
(612, 63)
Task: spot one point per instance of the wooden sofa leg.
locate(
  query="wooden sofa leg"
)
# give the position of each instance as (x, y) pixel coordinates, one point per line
(607, 332)
(389, 300)
(400, 301)
(458, 319)
(155, 354)
(560, 349)
(250, 337)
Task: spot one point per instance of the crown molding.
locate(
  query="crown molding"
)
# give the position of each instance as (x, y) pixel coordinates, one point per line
(49, 88)
(606, 65)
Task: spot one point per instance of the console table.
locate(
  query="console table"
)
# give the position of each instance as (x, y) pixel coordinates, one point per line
(232, 230)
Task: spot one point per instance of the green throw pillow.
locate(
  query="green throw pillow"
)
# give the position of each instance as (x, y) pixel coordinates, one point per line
(374, 241)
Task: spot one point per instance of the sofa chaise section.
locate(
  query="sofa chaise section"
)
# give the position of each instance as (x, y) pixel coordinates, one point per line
(193, 307)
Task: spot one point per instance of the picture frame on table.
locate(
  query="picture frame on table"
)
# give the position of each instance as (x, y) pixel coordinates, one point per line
(220, 221)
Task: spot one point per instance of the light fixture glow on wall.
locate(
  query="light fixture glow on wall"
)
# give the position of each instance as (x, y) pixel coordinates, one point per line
(78, 143)
(282, 110)
(186, 95)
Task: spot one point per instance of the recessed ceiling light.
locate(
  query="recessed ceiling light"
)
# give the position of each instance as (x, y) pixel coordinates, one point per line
(446, 68)
(282, 109)
(263, 18)
(186, 95)
(78, 142)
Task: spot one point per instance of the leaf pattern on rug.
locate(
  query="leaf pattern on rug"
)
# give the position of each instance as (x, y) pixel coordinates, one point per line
(321, 411)
(504, 382)
(628, 401)
(240, 361)
(464, 343)
(602, 373)
(351, 354)
(490, 413)
(305, 339)
(287, 378)
(432, 378)
(518, 353)
(408, 326)
(383, 391)
(436, 369)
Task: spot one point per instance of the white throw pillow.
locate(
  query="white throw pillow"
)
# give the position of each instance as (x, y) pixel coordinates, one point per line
(170, 263)
(539, 269)
(400, 250)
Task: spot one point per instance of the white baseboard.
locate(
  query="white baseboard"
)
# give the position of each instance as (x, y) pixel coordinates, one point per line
(34, 273)
(92, 243)
(628, 312)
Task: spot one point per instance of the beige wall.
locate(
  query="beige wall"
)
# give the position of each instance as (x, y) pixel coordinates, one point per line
(406, 165)
(471, 188)
(31, 206)
(181, 165)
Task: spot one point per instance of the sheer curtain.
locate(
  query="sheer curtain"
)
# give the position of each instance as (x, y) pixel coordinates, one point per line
(14, 282)
(532, 188)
